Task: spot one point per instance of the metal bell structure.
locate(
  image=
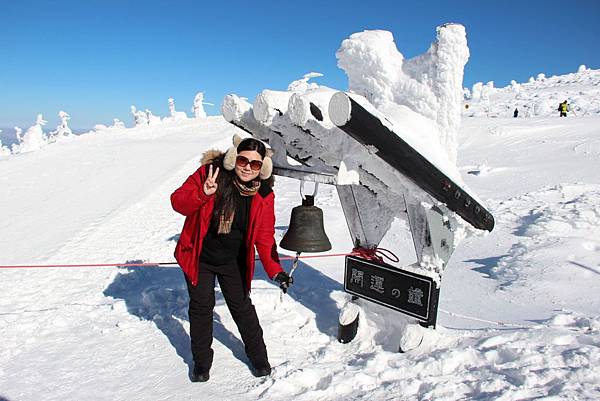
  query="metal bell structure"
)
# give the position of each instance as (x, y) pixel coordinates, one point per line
(306, 232)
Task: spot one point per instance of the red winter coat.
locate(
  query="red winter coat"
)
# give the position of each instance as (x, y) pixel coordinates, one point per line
(191, 201)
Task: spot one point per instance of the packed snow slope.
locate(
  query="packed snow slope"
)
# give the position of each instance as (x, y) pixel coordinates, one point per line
(538, 97)
(518, 312)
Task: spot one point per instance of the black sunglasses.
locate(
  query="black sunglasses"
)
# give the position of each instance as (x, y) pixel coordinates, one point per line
(242, 161)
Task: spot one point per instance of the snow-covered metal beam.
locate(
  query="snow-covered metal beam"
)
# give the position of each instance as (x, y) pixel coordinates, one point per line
(372, 131)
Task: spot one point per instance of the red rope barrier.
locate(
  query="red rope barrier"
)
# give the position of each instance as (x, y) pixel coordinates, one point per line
(374, 254)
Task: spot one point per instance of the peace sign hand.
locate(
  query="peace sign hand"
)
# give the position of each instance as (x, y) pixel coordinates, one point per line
(210, 184)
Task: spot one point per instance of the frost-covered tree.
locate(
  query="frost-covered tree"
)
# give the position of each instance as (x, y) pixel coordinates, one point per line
(117, 124)
(429, 84)
(19, 135)
(516, 87)
(139, 117)
(198, 107)
(174, 114)
(302, 85)
(487, 90)
(466, 93)
(34, 138)
(152, 119)
(62, 130)
(476, 90)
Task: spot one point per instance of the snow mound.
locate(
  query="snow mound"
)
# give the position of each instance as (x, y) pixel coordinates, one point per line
(558, 228)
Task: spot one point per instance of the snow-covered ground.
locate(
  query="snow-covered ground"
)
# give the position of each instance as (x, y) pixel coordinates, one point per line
(518, 312)
(538, 97)
(518, 315)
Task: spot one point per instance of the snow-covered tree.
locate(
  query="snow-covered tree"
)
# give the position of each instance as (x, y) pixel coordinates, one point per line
(139, 117)
(198, 107)
(117, 124)
(175, 115)
(62, 130)
(19, 135)
(302, 85)
(429, 84)
(34, 138)
(152, 119)
(476, 90)
(515, 86)
(466, 93)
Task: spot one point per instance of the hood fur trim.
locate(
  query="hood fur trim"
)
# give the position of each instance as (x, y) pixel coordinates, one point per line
(210, 156)
(216, 156)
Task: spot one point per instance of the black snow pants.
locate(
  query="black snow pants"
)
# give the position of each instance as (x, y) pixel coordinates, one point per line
(202, 302)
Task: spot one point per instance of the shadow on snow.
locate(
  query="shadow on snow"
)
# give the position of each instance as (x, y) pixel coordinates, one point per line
(159, 294)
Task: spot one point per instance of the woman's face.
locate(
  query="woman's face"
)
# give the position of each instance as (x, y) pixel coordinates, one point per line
(245, 173)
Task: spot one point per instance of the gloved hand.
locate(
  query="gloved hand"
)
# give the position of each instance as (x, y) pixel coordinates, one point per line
(284, 280)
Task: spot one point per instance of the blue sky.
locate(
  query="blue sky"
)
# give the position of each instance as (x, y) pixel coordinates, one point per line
(95, 58)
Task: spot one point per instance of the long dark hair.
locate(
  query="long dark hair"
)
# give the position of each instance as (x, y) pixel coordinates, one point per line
(227, 196)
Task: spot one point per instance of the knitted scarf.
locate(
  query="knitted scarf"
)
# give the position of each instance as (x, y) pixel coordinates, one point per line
(225, 222)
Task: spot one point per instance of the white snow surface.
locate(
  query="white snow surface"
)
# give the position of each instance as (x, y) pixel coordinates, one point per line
(538, 97)
(518, 315)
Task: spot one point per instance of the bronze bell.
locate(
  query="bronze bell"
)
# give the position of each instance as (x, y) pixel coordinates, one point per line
(306, 232)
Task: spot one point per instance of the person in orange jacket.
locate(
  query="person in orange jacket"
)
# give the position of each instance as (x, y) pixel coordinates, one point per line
(229, 207)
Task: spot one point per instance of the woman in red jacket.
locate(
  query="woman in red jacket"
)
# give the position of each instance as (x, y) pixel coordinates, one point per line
(229, 207)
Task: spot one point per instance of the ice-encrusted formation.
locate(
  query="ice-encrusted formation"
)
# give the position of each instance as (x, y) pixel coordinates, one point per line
(174, 114)
(198, 107)
(429, 84)
(318, 144)
(140, 118)
(63, 130)
(34, 138)
(419, 100)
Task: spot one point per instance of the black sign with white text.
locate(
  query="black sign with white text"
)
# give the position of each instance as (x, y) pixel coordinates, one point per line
(404, 291)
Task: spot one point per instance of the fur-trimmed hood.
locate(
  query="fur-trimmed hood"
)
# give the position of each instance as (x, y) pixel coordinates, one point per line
(215, 157)
(211, 156)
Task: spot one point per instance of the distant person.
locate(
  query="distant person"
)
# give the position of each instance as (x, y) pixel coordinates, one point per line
(516, 113)
(229, 207)
(563, 108)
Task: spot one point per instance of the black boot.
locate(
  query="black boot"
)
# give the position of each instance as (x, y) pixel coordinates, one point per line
(200, 374)
(261, 371)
